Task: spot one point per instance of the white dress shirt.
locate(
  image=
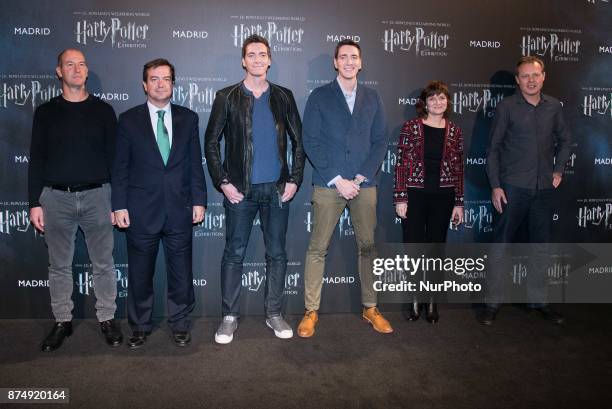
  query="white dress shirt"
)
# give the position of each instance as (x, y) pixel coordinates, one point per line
(167, 119)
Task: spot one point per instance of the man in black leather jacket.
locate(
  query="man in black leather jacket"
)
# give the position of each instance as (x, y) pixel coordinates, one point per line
(255, 117)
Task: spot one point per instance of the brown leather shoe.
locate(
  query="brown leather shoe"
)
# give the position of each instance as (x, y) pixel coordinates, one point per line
(306, 329)
(374, 317)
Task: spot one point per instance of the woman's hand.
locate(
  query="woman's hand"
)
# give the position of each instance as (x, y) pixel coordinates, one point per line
(401, 209)
(457, 215)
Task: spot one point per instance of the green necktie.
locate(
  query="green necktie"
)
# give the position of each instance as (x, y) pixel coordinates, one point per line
(163, 141)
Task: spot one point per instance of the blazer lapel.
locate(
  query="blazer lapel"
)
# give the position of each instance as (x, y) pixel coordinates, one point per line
(149, 134)
(358, 101)
(340, 96)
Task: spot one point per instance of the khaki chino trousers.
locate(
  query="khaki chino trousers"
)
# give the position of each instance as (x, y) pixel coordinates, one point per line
(328, 205)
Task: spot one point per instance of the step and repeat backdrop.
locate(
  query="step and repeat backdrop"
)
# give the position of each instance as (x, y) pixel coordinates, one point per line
(472, 45)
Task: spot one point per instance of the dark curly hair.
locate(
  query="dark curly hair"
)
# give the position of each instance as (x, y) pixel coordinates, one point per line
(432, 88)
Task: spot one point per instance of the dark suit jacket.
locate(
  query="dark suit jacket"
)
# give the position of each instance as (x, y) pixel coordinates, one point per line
(338, 143)
(150, 191)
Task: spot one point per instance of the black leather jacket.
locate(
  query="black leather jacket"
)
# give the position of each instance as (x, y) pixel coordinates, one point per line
(231, 117)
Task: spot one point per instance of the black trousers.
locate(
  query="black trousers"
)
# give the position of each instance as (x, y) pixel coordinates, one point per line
(535, 208)
(427, 221)
(428, 216)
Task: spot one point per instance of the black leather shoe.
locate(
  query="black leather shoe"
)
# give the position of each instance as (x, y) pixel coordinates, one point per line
(432, 312)
(138, 339)
(411, 311)
(112, 332)
(181, 338)
(487, 316)
(549, 314)
(54, 340)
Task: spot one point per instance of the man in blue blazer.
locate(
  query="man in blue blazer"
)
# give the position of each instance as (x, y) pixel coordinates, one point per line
(344, 137)
(159, 190)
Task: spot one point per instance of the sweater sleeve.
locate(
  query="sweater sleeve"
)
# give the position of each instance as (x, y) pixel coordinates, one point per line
(459, 170)
(110, 138)
(37, 158)
(402, 168)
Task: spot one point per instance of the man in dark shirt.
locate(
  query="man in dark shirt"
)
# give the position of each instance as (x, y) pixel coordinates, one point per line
(255, 117)
(71, 154)
(529, 146)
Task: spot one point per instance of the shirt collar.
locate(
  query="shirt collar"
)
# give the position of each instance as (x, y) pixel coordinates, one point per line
(248, 91)
(153, 109)
(521, 99)
(347, 94)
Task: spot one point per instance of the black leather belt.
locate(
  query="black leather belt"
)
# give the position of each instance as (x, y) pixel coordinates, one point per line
(76, 188)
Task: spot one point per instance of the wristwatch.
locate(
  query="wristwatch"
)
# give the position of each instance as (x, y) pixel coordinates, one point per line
(358, 180)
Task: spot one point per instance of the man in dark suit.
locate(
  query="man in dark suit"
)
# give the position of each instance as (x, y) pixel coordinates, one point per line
(345, 139)
(159, 190)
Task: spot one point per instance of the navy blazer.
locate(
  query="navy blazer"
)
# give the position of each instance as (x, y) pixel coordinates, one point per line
(340, 143)
(151, 191)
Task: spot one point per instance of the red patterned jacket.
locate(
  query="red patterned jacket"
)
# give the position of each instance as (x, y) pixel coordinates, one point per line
(410, 165)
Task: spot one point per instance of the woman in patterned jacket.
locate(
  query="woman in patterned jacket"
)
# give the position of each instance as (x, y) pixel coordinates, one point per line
(428, 188)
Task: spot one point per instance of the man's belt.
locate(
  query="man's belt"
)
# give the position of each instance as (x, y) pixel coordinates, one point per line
(76, 188)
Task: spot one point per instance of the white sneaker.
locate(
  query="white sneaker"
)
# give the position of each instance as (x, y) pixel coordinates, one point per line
(225, 332)
(280, 327)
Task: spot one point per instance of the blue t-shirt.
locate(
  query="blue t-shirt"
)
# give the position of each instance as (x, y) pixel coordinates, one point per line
(266, 164)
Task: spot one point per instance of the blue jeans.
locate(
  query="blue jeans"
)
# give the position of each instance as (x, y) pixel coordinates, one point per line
(265, 199)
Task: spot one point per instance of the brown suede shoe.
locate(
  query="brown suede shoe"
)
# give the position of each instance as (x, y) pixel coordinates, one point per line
(307, 326)
(374, 317)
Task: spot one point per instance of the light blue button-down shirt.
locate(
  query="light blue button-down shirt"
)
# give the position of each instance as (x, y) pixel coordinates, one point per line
(350, 101)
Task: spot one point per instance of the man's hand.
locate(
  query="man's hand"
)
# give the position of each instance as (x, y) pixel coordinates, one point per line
(290, 189)
(457, 215)
(231, 193)
(113, 218)
(37, 218)
(198, 214)
(497, 197)
(557, 177)
(401, 209)
(347, 189)
(122, 217)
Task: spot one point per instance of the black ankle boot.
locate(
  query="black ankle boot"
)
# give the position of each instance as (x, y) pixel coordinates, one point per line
(432, 312)
(411, 310)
